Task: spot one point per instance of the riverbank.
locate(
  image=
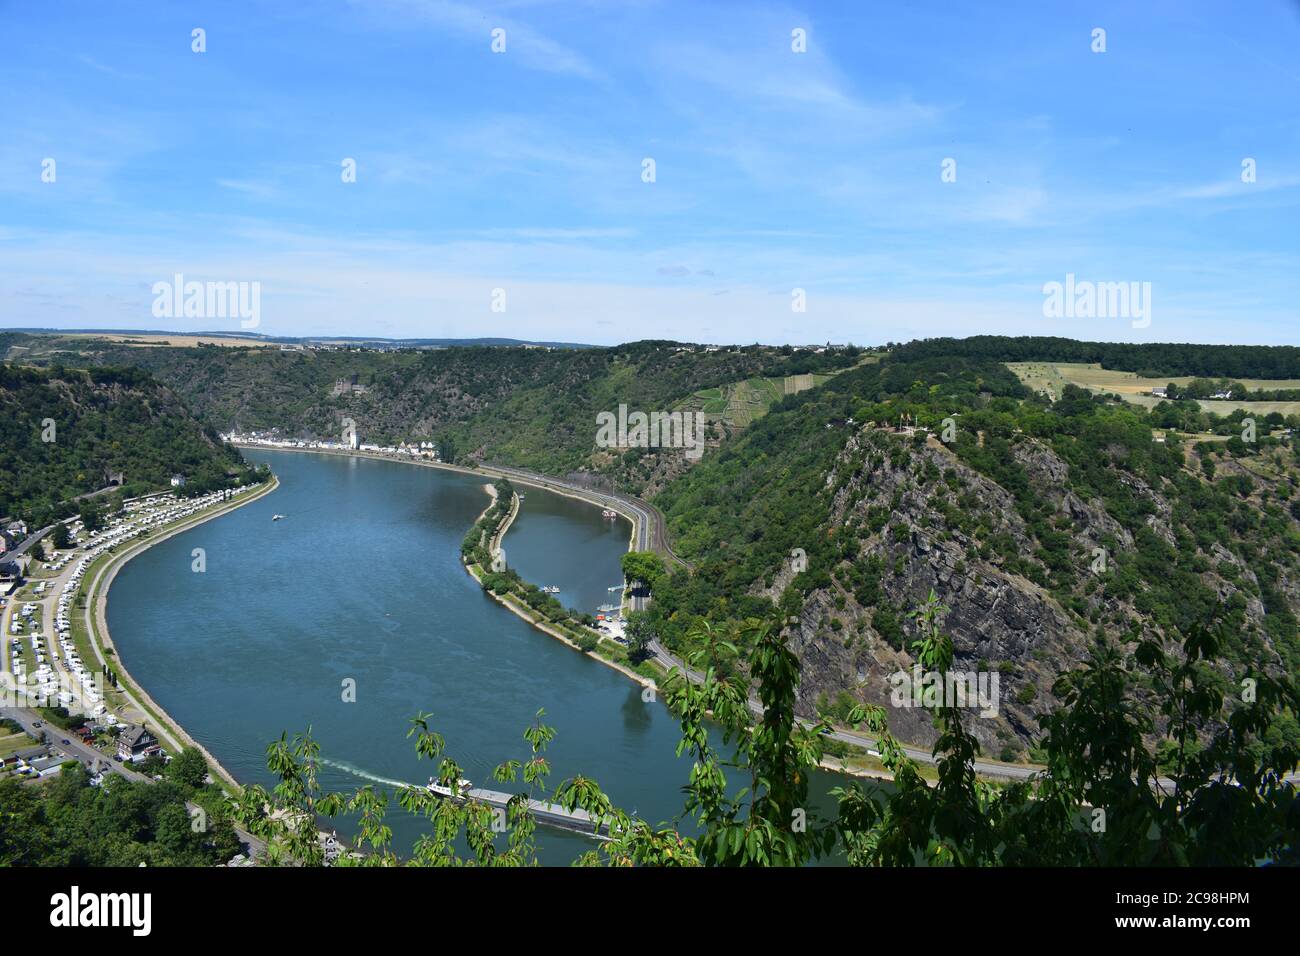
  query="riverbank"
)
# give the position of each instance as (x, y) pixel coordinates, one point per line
(101, 642)
(510, 600)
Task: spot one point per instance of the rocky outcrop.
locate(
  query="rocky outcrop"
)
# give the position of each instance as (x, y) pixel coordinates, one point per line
(924, 521)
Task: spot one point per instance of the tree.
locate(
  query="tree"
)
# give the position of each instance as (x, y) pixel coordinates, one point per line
(91, 515)
(188, 769)
(644, 567)
(60, 536)
(639, 633)
(174, 832)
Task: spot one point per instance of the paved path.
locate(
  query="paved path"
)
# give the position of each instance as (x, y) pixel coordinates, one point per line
(21, 549)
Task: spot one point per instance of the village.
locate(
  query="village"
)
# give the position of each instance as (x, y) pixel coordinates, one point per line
(61, 701)
(420, 450)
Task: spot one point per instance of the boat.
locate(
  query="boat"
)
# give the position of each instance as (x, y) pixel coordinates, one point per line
(550, 589)
(276, 517)
(463, 788)
(609, 513)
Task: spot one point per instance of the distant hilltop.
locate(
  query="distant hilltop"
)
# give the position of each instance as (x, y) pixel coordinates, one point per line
(233, 337)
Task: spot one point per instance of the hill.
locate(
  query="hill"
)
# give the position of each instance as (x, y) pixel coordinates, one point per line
(1039, 524)
(66, 433)
(529, 407)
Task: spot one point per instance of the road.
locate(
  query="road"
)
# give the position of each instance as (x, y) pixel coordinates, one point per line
(984, 768)
(48, 605)
(31, 539)
(28, 542)
(642, 511)
(648, 520)
(651, 535)
(74, 747)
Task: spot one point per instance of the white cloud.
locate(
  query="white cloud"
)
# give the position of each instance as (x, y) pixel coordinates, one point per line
(524, 44)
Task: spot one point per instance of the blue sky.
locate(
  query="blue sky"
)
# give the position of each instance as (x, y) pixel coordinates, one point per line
(775, 170)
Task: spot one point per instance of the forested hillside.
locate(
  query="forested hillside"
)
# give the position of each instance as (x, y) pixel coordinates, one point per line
(530, 407)
(1040, 524)
(67, 432)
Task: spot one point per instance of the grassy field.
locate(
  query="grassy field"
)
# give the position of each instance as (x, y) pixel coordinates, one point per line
(1052, 377)
(738, 404)
(14, 742)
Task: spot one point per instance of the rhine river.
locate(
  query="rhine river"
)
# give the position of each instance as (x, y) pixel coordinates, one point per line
(362, 581)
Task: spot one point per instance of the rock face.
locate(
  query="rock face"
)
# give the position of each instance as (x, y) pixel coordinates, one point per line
(923, 521)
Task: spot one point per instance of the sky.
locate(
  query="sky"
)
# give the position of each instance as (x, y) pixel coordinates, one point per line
(835, 171)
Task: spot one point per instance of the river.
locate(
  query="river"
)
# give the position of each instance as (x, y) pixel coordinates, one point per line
(362, 582)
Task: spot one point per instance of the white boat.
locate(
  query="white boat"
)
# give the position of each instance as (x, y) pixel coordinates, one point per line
(463, 787)
(276, 517)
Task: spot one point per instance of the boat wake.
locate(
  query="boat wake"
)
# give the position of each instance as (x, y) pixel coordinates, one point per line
(365, 774)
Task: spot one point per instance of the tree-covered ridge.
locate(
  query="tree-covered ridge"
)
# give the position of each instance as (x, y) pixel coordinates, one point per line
(1041, 523)
(65, 433)
(1147, 359)
(552, 427)
(739, 514)
(528, 407)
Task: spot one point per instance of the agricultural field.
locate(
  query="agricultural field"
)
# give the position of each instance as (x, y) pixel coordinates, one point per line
(738, 404)
(1052, 377)
(54, 346)
(173, 340)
